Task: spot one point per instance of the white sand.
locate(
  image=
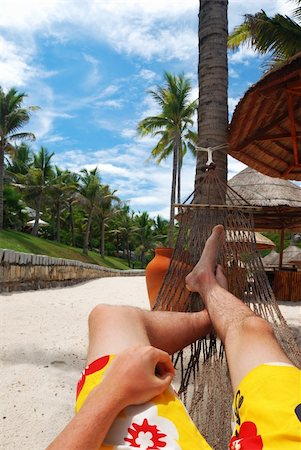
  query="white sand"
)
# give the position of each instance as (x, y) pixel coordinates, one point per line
(44, 341)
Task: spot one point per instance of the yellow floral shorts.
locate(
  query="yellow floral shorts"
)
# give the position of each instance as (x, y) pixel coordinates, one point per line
(162, 423)
(267, 414)
(267, 409)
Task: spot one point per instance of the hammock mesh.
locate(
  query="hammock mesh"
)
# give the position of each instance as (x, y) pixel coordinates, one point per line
(205, 385)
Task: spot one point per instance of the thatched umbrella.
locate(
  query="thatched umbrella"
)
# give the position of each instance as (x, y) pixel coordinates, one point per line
(41, 223)
(296, 261)
(290, 254)
(262, 242)
(277, 202)
(265, 126)
(271, 260)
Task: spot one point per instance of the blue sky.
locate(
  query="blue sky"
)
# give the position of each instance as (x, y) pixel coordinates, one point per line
(89, 63)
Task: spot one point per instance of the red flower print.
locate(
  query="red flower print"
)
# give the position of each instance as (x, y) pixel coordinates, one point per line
(145, 436)
(247, 438)
(96, 365)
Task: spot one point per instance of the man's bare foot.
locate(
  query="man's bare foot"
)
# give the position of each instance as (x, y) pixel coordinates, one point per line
(205, 274)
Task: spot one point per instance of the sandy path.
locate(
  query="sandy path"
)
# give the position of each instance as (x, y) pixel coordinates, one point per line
(44, 340)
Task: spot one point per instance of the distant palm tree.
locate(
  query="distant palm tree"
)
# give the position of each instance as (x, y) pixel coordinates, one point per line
(71, 180)
(172, 125)
(13, 116)
(63, 186)
(161, 228)
(89, 188)
(125, 230)
(20, 160)
(107, 206)
(36, 183)
(280, 35)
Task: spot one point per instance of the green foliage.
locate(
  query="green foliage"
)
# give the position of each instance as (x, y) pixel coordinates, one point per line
(14, 216)
(280, 35)
(23, 242)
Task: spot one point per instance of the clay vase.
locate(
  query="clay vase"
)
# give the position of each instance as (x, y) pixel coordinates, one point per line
(156, 270)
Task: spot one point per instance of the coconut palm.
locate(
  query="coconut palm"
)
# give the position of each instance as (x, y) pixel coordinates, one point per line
(20, 160)
(71, 180)
(36, 183)
(13, 116)
(125, 230)
(61, 189)
(213, 91)
(107, 206)
(280, 35)
(89, 188)
(172, 125)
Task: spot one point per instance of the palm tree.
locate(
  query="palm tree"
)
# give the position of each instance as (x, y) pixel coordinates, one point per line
(213, 91)
(13, 116)
(20, 160)
(71, 182)
(172, 126)
(161, 229)
(36, 183)
(107, 206)
(125, 229)
(61, 189)
(280, 35)
(89, 188)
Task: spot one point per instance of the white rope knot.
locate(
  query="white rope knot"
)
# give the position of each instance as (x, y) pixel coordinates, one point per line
(210, 151)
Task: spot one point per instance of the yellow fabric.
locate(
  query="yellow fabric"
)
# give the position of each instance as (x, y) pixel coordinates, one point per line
(269, 397)
(162, 423)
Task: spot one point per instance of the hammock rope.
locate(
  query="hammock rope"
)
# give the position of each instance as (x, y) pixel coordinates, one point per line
(204, 380)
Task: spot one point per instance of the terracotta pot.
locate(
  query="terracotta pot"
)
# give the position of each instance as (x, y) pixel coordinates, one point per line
(156, 270)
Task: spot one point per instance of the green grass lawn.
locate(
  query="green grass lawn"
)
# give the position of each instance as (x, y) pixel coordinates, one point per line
(23, 242)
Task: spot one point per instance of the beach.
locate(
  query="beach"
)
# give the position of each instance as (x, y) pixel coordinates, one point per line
(44, 340)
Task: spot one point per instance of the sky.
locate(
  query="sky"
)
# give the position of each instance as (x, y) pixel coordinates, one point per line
(88, 64)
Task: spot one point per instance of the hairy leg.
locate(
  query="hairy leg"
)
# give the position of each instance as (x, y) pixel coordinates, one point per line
(113, 329)
(249, 340)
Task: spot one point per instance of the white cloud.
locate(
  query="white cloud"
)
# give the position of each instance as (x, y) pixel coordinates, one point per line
(232, 102)
(147, 74)
(93, 78)
(234, 166)
(128, 133)
(233, 73)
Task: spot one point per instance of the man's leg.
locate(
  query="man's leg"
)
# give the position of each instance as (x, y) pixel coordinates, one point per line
(249, 340)
(115, 328)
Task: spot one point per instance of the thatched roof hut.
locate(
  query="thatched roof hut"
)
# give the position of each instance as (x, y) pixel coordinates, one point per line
(262, 190)
(265, 126)
(296, 261)
(279, 200)
(262, 242)
(290, 254)
(271, 260)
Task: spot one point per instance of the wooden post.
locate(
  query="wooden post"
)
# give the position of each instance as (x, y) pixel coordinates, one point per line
(281, 248)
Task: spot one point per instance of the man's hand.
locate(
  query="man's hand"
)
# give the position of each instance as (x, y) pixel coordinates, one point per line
(138, 374)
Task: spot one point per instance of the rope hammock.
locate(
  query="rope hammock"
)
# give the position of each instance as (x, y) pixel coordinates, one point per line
(205, 385)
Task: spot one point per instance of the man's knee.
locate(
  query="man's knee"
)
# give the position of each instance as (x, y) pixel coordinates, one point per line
(102, 312)
(250, 326)
(255, 325)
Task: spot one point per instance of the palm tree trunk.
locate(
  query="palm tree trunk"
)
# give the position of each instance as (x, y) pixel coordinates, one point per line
(1, 184)
(87, 234)
(179, 171)
(128, 252)
(58, 223)
(173, 196)
(72, 224)
(102, 238)
(37, 216)
(213, 90)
